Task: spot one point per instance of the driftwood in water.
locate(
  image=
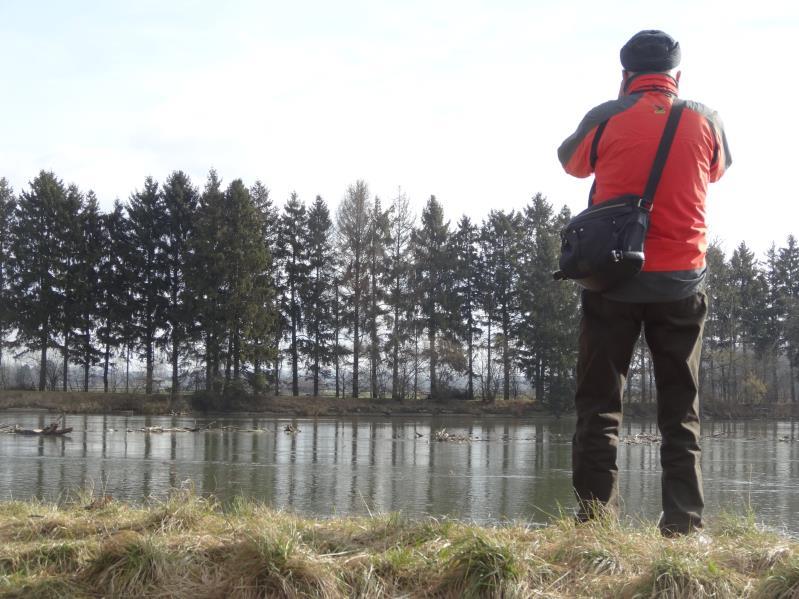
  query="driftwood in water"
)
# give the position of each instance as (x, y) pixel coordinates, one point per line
(50, 430)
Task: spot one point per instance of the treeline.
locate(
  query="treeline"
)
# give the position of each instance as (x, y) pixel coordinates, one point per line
(239, 295)
(369, 301)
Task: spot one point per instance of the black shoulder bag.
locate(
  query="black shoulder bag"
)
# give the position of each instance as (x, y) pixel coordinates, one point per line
(604, 244)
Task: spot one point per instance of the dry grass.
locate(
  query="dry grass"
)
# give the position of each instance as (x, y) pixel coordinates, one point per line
(189, 547)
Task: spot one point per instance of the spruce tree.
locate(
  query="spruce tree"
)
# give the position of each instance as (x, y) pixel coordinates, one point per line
(318, 293)
(246, 289)
(180, 200)
(36, 249)
(466, 282)
(114, 304)
(67, 268)
(207, 272)
(432, 269)
(88, 290)
(264, 350)
(292, 248)
(787, 265)
(148, 228)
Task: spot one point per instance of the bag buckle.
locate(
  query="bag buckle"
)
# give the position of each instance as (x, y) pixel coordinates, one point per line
(645, 204)
(617, 255)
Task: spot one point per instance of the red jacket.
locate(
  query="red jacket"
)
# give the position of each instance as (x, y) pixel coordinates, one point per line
(677, 238)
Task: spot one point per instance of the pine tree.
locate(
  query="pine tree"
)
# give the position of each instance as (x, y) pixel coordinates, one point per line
(432, 266)
(465, 252)
(7, 207)
(88, 291)
(206, 281)
(264, 349)
(501, 233)
(787, 265)
(148, 228)
(293, 254)
(35, 249)
(717, 332)
(317, 297)
(247, 291)
(352, 221)
(547, 330)
(114, 305)
(180, 201)
(67, 268)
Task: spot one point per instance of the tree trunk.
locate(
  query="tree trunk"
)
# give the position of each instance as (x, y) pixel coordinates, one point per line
(175, 380)
(431, 338)
(65, 355)
(236, 352)
(43, 360)
(316, 363)
(127, 368)
(470, 345)
(106, 360)
(373, 330)
(505, 356)
(395, 354)
(489, 387)
(87, 362)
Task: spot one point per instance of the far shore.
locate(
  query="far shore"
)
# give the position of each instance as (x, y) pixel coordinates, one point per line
(305, 406)
(301, 406)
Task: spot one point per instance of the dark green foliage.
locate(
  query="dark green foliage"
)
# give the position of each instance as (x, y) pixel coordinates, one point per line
(223, 278)
(88, 290)
(318, 293)
(433, 281)
(146, 214)
(36, 247)
(180, 201)
(292, 248)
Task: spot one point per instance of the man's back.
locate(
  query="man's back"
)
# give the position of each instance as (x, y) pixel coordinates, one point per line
(621, 157)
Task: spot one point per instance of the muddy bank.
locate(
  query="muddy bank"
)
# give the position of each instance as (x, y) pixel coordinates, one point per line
(104, 403)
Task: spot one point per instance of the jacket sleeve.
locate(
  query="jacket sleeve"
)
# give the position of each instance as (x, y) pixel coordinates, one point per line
(721, 154)
(575, 152)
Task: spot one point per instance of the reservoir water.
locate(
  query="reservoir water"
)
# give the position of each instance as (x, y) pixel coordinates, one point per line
(512, 468)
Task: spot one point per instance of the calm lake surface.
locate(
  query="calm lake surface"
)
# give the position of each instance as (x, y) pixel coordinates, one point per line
(515, 468)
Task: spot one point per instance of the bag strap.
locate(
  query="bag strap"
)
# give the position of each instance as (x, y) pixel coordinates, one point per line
(648, 198)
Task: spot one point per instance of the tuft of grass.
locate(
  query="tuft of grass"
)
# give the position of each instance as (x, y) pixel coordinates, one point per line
(129, 564)
(478, 566)
(267, 565)
(782, 581)
(681, 574)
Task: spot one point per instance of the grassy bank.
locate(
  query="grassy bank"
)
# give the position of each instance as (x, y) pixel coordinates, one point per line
(187, 546)
(304, 406)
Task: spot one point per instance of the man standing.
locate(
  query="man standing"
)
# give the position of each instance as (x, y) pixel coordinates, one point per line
(617, 142)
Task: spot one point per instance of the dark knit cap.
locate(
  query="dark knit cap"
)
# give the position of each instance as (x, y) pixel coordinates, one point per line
(650, 51)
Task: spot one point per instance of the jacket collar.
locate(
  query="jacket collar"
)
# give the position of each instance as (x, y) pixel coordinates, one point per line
(651, 82)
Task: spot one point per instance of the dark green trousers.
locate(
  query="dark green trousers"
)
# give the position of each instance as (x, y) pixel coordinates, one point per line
(608, 332)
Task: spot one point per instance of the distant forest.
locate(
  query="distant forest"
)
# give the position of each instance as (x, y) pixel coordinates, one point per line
(239, 296)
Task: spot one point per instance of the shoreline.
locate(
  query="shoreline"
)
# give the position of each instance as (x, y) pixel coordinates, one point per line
(77, 402)
(187, 546)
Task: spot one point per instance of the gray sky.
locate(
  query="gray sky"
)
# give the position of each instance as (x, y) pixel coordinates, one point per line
(467, 100)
